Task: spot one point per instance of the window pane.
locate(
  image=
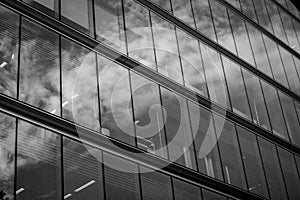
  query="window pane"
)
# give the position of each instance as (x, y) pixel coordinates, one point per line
(230, 154)
(248, 9)
(290, 115)
(79, 83)
(272, 168)
(178, 130)
(163, 4)
(38, 159)
(291, 177)
(209, 195)
(76, 14)
(46, 6)
(182, 10)
(236, 88)
(109, 23)
(275, 112)
(183, 190)
(39, 67)
(7, 154)
(9, 23)
(118, 183)
(256, 100)
(262, 14)
(149, 116)
(252, 162)
(82, 171)
(155, 185)
(205, 140)
(115, 101)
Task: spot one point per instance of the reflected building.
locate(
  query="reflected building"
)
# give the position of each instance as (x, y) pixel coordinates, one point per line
(149, 99)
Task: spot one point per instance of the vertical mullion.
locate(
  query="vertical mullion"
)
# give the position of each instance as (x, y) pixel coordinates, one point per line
(15, 158)
(103, 175)
(91, 18)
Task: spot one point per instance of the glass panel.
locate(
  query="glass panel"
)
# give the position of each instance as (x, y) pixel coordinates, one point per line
(46, 6)
(139, 37)
(252, 162)
(155, 185)
(298, 164)
(262, 14)
(241, 38)
(183, 10)
(203, 18)
(256, 100)
(178, 130)
(291, 177)
(76, 14)
(115, 101)
(82, 171)
(290, 69)
(79, 83)
(248, 9)
(192, 65)
(205, 141)
(39, 67)
(109, 23)
(230, 154)
(7, 155)
(9, 23)
(275, 112)
(165, 4)
(38, 159)
(209, 195)
(276, 63)
(276, 21)
(222, 25)
(292, 8)
(259, 50)
(272, 168)
(183, 190)
(290, 115)
(165, 41)
(236, 88)
(120, 184)
(148, 114)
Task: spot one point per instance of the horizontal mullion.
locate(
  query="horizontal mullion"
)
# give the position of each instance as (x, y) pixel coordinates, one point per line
(260, 28)
(287, 11)
(199, 36)
(68, 129)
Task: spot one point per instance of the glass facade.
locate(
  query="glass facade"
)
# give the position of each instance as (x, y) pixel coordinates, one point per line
(211, 86)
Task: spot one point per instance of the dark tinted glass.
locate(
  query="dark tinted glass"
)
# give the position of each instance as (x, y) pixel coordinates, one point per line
(183, 190)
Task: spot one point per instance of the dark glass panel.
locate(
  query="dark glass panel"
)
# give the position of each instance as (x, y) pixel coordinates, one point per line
(241, 38)
(183, 190)
(9, 23)
(178, 129)
(275, 60)
(222, 26)
(109, 23)
(205, 141)
(183, 10)
(155, 185)
(77, 13)
(149, 116)
(7, 155)
(209, 195)
(79, 83)
(292, 123)
(203, 18)
(290, 69)
(115, 101)
(252, 162)
(262, 14)
(82, 171)
(230, 153)
(192, 65)
(291, 177)
(256, 100)
(121, 178)
(275, 112)
(39, 67)
(38, 160)
(272, 168)
(236, 87)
